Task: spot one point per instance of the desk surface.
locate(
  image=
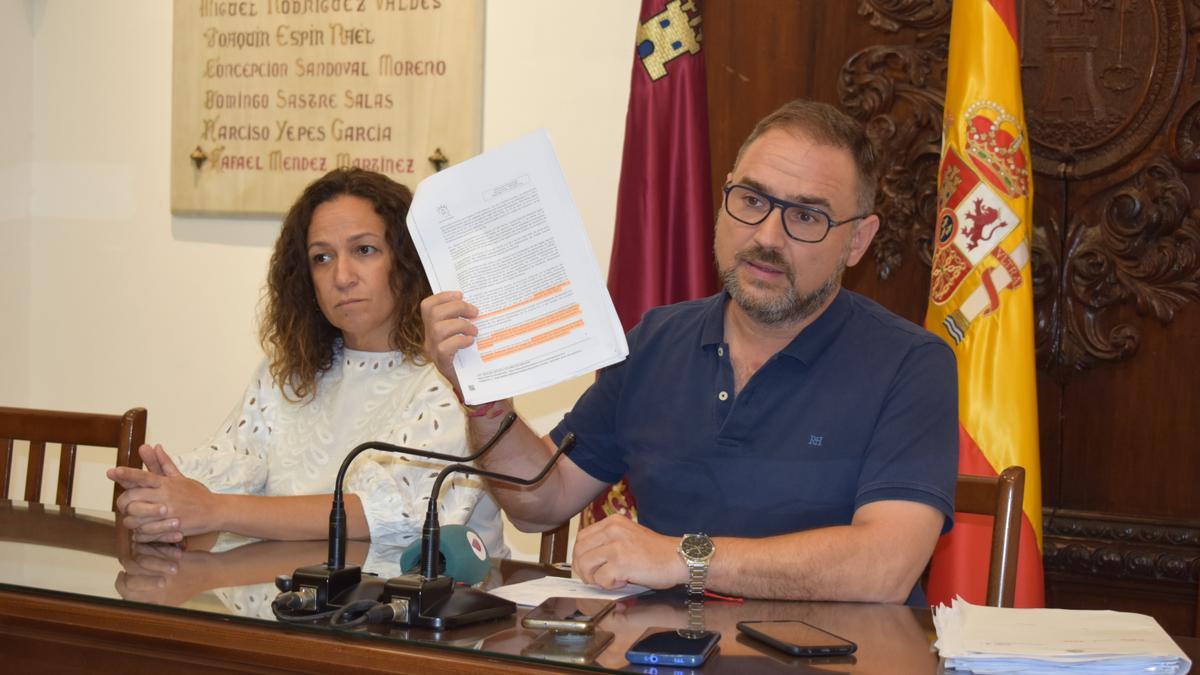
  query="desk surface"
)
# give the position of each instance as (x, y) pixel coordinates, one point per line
(74, 594)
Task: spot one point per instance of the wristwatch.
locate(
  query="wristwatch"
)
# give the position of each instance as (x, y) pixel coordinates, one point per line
(697, 551)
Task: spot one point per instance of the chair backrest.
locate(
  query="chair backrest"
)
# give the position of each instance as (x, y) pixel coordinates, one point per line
(70, 430)
(999, 497)
(616, 499)
(554, 544)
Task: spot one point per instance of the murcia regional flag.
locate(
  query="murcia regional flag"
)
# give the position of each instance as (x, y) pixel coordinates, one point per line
(981, 295)
(663, 240)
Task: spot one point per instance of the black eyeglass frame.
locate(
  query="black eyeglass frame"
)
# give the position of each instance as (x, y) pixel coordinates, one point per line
(783, 207)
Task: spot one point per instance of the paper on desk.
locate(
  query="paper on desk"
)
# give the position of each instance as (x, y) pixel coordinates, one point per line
(536, 591)
(502, 228)
(1004, 640)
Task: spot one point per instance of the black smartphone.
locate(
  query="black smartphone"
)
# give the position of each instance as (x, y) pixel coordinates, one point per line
(574, 648)
(760, 649)
(673, 647)
(569, 615)
(797, 637)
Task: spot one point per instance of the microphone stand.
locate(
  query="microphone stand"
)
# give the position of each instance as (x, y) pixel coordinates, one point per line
(430, 599)
(312, 591)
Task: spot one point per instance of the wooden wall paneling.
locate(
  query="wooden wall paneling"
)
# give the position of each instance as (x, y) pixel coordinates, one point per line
(1101, 85)
(1049, 213)
(758, 55)
(1108, 91)
(894, 83)
(1129, 563)
(1171, 605)
(1138, 454)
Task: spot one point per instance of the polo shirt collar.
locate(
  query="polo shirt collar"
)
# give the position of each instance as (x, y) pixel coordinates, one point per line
(712, 331)
(806, 347)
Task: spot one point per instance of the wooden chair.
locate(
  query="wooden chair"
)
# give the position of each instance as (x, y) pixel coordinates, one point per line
(69, 429)
(554, 544)
(999, 497)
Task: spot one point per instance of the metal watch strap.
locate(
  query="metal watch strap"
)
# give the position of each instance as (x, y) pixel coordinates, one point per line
(695, 608)
(697, 577)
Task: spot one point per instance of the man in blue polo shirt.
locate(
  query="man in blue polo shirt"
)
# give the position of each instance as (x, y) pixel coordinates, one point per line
(785, 438)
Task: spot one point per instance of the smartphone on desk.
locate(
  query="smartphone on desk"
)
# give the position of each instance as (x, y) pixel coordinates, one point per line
(673, 647)
(797, 637)
(574, 648)
(761, 650)
(567, 615)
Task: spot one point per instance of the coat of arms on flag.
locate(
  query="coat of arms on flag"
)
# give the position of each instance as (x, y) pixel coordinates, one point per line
(980, 297)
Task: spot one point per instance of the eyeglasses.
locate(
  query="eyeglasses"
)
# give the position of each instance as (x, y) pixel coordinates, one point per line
(802, 223)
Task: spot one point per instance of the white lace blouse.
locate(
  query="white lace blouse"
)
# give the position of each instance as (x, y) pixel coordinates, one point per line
(272, 446)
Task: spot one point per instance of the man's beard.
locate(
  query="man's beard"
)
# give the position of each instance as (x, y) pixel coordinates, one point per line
(787, 307)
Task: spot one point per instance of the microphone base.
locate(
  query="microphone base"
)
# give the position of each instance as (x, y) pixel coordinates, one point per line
(327, 585)
(439, 605)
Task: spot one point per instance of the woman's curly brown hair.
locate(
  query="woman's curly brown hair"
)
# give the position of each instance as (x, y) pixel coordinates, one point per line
(297, 337)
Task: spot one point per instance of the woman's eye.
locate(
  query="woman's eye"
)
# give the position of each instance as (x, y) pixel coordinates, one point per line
(320, 258)
(365, 249)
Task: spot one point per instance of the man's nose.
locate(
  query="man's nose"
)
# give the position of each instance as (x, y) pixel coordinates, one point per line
(770, 232)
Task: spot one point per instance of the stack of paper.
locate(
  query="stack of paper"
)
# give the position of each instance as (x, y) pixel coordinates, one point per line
(997, 640)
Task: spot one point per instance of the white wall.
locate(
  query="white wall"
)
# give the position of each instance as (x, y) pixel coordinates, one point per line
(107, 301)
(16, 185)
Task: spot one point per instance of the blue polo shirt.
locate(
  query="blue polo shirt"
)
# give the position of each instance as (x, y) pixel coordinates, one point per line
(860, 407)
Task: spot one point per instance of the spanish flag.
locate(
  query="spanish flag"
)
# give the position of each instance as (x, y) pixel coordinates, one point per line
(981, 290)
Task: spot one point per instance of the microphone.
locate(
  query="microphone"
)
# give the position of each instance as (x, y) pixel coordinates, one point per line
(429, 599)
(311, 592)
(337, 512)
(461, 553)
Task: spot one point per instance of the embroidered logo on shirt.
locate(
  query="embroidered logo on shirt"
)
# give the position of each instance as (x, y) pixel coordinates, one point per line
(815, 441)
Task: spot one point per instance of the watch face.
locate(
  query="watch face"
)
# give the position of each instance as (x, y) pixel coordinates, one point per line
(696, 547)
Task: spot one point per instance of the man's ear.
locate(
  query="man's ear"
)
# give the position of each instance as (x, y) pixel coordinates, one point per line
(860, 239)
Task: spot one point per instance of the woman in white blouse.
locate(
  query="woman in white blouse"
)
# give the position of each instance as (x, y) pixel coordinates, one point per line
(343, 337)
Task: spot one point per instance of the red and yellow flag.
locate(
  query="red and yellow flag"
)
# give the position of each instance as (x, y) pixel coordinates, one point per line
(662, 244)
(981, 290)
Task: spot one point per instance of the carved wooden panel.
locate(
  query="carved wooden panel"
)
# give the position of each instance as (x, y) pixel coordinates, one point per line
(1133, 563)
(1095, 544)
(1134, 243)
(1112, 96)
(1100, 79)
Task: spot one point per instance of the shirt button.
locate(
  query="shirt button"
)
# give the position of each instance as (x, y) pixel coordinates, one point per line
(724, 396)
(720, 351)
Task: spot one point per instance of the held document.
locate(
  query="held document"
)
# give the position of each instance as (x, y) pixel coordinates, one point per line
(502, 228)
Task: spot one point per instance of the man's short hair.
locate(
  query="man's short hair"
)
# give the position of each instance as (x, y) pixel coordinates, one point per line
(826, 125)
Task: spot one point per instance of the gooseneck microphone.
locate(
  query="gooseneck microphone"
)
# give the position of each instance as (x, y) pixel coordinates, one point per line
(431, 532)
(428, 599)
(337, 512)
(312, 592)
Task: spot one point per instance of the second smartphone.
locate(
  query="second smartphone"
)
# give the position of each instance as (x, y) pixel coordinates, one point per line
(577, 648)
(567, 615)
(673, 647)
(797, 637)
